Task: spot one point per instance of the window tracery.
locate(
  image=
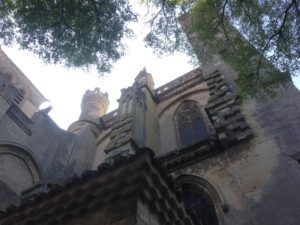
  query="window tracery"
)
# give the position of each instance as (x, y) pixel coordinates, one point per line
(200, 205)
(191, 124)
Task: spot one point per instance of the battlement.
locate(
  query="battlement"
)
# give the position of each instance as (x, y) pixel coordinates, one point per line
(94, 104)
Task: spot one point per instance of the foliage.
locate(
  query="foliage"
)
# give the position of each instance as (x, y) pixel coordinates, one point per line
(73, 32)
(271, 26)
(166, 35)
(89, 32)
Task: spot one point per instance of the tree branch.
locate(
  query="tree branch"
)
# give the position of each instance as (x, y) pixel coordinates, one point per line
(228, 38)
(222, 15)
(62, 10)
(245, 11)
(277, 33)
(102, 22)
(152, 20)
(221, 21)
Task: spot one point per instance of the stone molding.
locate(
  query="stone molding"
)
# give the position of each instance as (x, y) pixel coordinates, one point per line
(133, 177)
(223, 109)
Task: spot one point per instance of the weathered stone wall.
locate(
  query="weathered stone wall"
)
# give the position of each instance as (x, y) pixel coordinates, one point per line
(120, 213)
(258, 179)
(34, 154)
(17, 170)
(125, 214)
(83, 149)
(7, 196)
(146, 131)
(145, 216)
(32, 98)
(166, 112)
(103, 140)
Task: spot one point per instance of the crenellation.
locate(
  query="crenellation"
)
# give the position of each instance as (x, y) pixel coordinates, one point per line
(94, 105)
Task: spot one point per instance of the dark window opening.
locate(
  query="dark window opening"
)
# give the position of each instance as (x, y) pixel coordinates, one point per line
(296, 157)
(19, 98)
(190, 123)
(199, 204)
(8, 89)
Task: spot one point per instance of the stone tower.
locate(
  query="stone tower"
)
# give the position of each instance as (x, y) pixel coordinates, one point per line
(94, 104)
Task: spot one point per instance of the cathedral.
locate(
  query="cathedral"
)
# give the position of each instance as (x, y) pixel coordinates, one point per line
(186, 153)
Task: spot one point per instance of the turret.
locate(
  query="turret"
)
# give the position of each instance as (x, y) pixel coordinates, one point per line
(94, 104)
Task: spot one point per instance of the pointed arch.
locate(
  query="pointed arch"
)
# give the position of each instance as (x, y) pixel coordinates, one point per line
(191, 122)
(202, 199)
(187, 95)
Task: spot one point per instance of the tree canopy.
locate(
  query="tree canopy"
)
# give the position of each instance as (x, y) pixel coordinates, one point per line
(81, 33)
(77, 33)
(270, 30)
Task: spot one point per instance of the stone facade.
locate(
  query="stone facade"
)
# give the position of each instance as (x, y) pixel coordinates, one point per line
(229, 161)
(18, 87)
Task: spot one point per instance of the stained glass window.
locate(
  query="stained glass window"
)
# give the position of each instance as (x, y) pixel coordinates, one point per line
(199, 204)
(190, 123)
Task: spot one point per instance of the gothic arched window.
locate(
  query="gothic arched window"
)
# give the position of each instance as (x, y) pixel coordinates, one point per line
(200, 205)
(190, 123)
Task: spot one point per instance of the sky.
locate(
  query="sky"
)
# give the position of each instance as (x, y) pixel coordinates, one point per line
(64, 87)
